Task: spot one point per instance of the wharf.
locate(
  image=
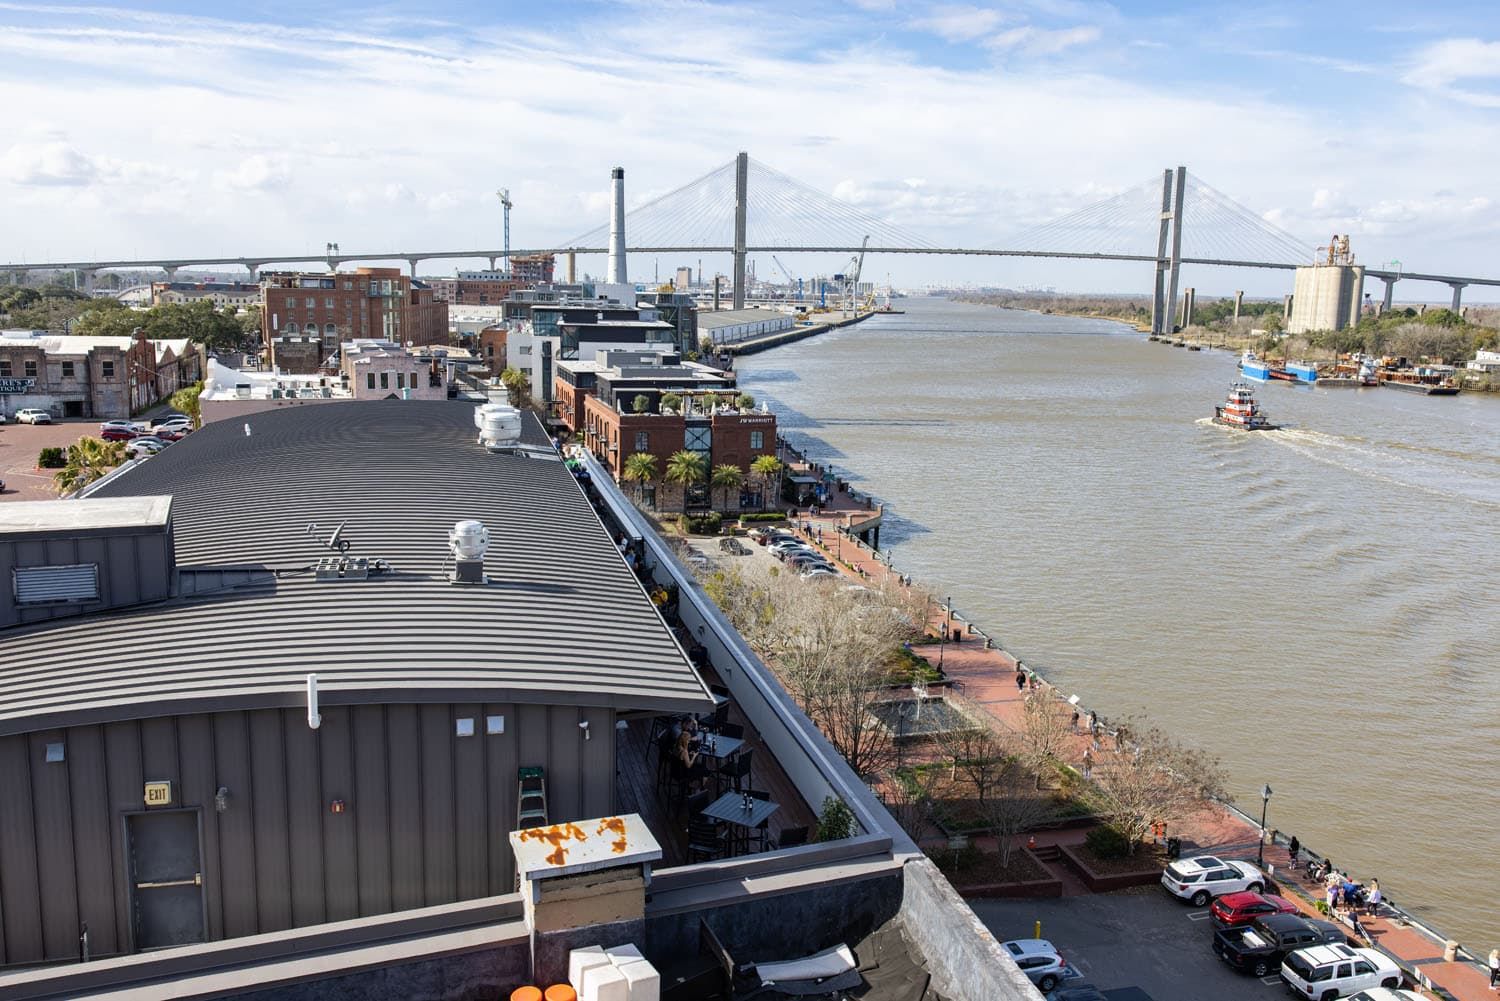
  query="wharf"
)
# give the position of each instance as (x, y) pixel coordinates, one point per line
(985, 674)
(757, 344)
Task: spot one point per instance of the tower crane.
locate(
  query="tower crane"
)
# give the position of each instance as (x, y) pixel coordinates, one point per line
(505, 204)
(852, 271)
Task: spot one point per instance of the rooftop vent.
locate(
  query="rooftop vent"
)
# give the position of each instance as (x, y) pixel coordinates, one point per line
(467, 543)
(499, 426)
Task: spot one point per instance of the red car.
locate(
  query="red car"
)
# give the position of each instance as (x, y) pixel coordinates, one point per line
(1235, 909)
(118, 432)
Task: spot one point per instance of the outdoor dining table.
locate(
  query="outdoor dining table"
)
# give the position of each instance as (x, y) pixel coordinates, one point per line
(720, 748)
(730, 808)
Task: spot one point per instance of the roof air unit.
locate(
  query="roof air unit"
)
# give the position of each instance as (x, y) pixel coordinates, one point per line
(499, 426)
(468, 542)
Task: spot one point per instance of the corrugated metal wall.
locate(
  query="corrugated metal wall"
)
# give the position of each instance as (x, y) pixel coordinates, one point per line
(133, 568)
(425, 823)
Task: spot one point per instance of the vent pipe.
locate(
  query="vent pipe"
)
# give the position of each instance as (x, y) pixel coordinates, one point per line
(616, 267)
(314, 720)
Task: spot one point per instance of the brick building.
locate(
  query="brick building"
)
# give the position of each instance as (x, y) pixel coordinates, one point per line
(531, 270)
(306, 316)
(475, 288)
(100, 377)
(597, 401)
(377, 370)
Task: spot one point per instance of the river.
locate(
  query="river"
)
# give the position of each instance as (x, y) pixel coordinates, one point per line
(1318, 606)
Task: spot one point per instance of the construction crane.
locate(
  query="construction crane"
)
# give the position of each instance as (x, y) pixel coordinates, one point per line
(851, 273)
(505, 204)
(790, 281)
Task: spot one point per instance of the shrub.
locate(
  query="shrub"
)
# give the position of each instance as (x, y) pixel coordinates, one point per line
(671, 401)
(745, 401)
(708, 524)
(52, 458)
(836, 821)
(1106, 843)
(640, 403)
(767, 516)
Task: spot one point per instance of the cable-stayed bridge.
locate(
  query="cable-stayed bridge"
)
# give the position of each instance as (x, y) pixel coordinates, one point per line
(745, 207)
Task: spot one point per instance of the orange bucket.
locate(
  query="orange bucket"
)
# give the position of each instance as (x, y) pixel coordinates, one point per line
(526, 994)
(561, 992)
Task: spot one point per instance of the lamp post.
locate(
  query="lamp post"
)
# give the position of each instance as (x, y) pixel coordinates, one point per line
(942, 643)
(1260, 848)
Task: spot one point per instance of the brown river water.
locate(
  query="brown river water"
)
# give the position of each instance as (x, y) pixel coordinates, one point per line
(1319, 606)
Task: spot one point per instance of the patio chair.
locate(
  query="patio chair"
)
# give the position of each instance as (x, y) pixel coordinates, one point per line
(704, 841)
(734, 773)
(716, 719)
(734, 730)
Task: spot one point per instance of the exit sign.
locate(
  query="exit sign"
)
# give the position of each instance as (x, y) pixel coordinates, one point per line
(158, 794)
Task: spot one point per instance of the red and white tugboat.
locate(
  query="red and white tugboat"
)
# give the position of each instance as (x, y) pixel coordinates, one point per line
(1240, 411)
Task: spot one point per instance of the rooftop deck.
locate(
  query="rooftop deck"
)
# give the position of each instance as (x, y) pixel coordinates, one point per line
(637, 791)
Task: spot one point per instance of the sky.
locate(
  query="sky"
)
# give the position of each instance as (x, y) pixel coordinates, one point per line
(191, 130)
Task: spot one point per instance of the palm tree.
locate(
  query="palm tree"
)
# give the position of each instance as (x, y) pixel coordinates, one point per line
(88, 459)
(686, 468)
(767, 469)
(640, 469)
(726, 477)
(518, 384)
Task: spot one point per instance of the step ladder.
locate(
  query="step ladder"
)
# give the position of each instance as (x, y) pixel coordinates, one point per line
(531, 797)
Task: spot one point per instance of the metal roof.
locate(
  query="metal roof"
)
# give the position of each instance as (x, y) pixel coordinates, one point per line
(560, 621)
(707, 319)
(27, 517)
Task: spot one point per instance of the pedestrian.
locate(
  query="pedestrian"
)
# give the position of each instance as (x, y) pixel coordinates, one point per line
(1495, 969)
(1073, 725)
(1293, 849)
(1332, 894)
(1120, 738)
(1020, 681)
(1359, 929)
(1088, 762)
(1374, 898)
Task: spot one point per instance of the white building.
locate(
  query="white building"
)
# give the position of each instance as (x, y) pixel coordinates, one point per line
(1485, 361)
(729, 326)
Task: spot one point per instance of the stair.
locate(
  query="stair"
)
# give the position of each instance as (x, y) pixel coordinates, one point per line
(531, 797)
(1047, 853)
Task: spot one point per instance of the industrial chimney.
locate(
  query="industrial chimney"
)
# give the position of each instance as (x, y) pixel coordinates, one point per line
(617, 226)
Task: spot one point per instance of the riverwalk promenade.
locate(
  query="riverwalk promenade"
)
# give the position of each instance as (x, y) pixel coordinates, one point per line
(985, 674)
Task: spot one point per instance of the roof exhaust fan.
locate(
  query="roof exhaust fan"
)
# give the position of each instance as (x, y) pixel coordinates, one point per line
(467, 543)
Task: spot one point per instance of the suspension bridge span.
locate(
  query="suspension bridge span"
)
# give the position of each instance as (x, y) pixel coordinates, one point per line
(745, 207)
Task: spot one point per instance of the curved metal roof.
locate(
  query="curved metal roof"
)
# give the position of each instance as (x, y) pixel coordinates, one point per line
(560, 619)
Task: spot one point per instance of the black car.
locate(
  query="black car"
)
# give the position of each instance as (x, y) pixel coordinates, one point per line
(1259, 948)
(1088, 992)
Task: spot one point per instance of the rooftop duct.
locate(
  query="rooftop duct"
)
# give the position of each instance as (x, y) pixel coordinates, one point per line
(499, 426)
(467, 543)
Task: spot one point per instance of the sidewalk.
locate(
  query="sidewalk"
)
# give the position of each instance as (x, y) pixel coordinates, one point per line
(985, 676)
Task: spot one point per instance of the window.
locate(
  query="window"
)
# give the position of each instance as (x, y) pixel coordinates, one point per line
(1363, 967)
(330, 330)
(370, 380)
(67, 370)
(348, 285)
(107, 369)
(385, 380)
(311, 302)
(291, 302)
(698, 439)
(757, 439)
(5, 368)
(30, 368)
(328, 302)
(401, 380)
(642, 441)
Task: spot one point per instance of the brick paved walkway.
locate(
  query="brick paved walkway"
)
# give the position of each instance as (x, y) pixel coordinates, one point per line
(986, 676)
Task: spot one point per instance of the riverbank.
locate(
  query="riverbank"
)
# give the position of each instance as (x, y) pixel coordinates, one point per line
(755, 345)
(973, 663)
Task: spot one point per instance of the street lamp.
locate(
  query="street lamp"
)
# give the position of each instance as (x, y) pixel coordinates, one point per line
(942, 643)
(1260, 848)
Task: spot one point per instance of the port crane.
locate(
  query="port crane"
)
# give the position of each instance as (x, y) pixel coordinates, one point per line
(850, 277)
(505, 205)
(790, 281)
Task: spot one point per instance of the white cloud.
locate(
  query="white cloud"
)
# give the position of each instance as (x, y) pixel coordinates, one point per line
(1440, 65)
(258, 172)
(1042, 41)
(50, 163)
(960, 22)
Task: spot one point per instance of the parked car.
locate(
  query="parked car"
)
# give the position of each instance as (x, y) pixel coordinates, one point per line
(1326, 972)
(33, 415)
(1204, 877)
(1386, 994)
(118, 432)
(169, 417)
(819, 573)
(797, 552)
(1038, 960)
(1235, 909)
(763, 536)
(781, 545)
(2, 418)
(168, 432)
(802, 560)
(139, 448)
(1260, 947)
(1088, 992)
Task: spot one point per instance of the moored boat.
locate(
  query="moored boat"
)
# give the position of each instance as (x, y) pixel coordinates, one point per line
(1241, 412)
(1253, 367)
(1428, 380)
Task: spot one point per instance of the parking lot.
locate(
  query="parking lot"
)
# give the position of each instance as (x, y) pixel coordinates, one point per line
(19, 445)
(1132, 938)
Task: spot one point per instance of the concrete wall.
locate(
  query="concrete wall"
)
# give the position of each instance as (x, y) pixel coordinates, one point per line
(962, 955)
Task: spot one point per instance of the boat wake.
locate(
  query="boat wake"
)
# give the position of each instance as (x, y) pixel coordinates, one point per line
(1430, 471)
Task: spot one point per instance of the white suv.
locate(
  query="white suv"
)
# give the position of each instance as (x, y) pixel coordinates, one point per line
(1325, 972)
(31, 415)
(1204, 877)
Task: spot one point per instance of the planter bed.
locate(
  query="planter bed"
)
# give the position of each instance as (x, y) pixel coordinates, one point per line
(979, 874)
(1102, 875)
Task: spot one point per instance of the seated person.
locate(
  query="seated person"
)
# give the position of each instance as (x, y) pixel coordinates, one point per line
(692, 761)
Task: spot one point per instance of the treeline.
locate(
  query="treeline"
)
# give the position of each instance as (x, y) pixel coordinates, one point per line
(62, 310)
(1437, 335)
(1124, 308)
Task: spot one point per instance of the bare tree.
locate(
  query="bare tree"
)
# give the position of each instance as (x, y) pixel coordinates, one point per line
(1015, 805)
(1046, 724)
(910, 800)
(1153, 778)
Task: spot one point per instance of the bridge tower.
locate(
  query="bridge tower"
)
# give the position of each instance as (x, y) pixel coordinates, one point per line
(1174, 184)
(741, 192)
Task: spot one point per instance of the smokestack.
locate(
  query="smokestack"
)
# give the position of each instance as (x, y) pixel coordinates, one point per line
(616, 268)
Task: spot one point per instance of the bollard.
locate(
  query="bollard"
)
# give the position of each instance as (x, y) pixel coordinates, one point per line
(1450, 951)
(1038, 930)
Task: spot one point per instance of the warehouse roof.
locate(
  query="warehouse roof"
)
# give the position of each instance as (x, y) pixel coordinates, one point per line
(734, 317)
(560, 620)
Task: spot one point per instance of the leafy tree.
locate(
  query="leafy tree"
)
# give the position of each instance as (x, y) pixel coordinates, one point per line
(726, 477)
(640, 403)
(185, 400)
(671, 401)
(640, 469)
(88, 459)
(686, 468)
(745, 401)
(104, 321)
(766, 469)
(836, 821)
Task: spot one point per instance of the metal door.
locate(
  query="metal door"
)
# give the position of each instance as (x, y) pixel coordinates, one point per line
(166, 878)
